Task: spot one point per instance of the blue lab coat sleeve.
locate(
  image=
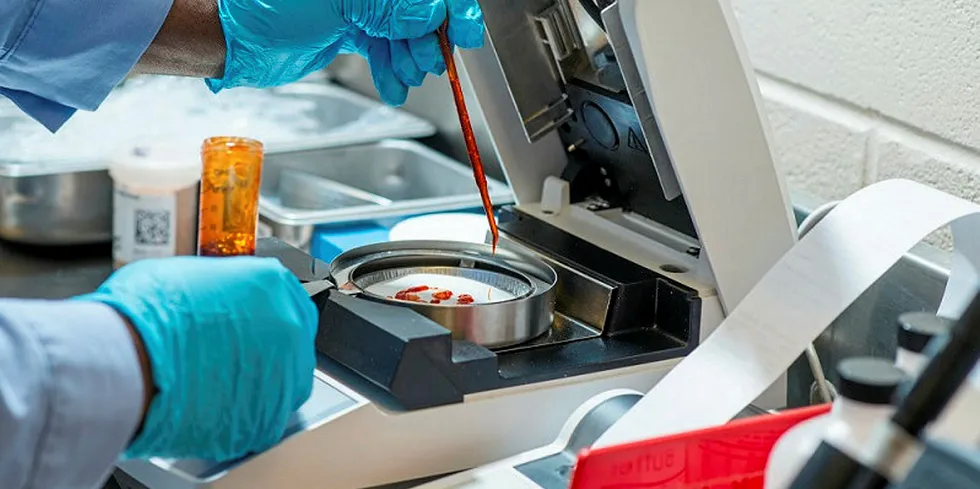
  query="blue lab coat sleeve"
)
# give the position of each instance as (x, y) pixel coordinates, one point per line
(71, 393)
(58, 56)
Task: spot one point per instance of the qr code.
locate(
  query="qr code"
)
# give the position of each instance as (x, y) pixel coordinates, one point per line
(152, 227)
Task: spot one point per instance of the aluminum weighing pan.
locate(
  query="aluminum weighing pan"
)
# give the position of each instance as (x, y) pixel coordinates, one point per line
(494, 324)
(395, 179)
(343, 118)
(501, 285)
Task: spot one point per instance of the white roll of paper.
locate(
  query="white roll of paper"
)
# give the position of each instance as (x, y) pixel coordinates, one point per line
(801, 296)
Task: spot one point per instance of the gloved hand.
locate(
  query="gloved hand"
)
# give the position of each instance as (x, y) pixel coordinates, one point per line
(231, 345)
(399, 62)
(273, 42)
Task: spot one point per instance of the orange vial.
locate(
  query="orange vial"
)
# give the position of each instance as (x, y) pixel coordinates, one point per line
(230, 180)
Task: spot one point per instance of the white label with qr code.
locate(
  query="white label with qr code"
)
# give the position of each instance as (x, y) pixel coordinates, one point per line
(143, 225)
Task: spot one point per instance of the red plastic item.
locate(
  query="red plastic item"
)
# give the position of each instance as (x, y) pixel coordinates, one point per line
(731, 456)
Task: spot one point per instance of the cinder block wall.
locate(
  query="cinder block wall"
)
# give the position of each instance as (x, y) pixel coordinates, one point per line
(860, 91)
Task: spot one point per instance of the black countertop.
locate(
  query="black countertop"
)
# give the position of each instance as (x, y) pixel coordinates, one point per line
(52, 272)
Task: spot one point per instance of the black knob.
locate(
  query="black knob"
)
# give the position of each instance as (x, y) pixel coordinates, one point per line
(869, 380)
(917, 329)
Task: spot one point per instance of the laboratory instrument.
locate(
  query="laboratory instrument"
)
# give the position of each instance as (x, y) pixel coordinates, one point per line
(493, 298)
(889, 456)
(154, 203)
(944, 465)
(652, 194)
(472, 150)
(230, 183)
(866, 388)
(915, 330)
(731, 455)
(958, 422)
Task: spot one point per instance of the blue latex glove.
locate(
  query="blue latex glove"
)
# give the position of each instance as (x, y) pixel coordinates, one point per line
(231, 344)
(400, 61)
(273, 42)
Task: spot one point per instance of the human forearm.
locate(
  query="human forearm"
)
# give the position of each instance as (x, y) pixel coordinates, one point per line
(190, 43)
(149, 389)
(70, 392)
(59, 56)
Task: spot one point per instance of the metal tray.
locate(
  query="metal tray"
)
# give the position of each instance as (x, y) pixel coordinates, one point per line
(387, 179)
(70, 202)
(62, 209)
(343, 118)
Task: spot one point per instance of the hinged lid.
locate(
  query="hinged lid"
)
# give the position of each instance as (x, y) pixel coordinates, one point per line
(682, 143)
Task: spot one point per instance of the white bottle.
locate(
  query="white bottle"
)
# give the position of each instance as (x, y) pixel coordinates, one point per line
(960, 421)
(865, 390)
(154, 203)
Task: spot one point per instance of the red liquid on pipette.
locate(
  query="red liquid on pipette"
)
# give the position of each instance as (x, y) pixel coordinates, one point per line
(464, 121)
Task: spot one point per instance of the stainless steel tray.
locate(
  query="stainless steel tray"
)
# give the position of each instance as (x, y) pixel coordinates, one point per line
(382, 180)
(62, 209)
(70, 202)
(342, 118)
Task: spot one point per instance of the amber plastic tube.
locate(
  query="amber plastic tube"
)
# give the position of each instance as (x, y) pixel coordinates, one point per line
(230, 181)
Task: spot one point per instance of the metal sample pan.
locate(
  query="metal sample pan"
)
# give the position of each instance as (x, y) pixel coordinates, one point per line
(510, 295)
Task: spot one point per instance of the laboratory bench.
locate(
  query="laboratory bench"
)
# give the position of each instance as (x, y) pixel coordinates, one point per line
(52, 272)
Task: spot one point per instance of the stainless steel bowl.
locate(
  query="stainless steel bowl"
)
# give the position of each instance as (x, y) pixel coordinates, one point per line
(520, 308)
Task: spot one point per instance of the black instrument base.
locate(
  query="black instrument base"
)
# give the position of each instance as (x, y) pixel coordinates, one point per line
(416, 362)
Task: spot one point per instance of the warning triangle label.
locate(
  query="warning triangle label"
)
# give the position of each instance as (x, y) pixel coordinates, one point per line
(634, 141)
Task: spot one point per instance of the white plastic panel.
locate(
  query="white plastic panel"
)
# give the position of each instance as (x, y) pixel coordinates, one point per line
(707, 104)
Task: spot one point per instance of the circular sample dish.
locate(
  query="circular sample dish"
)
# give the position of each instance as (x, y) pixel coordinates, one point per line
(493, 299)
(443, 285)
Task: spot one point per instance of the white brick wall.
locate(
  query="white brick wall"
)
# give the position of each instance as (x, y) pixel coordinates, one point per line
(860, 91)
